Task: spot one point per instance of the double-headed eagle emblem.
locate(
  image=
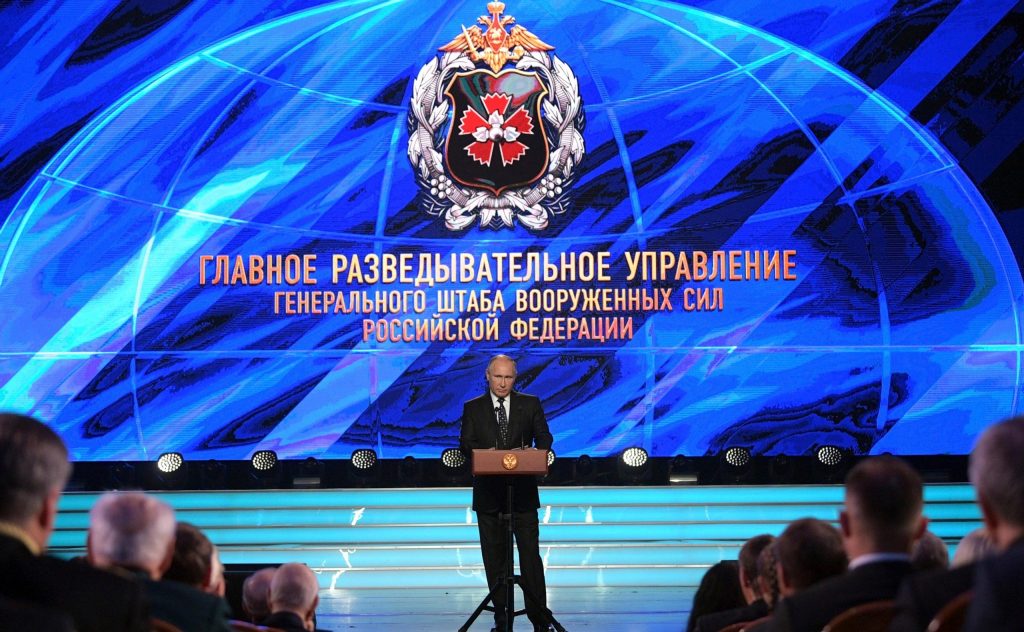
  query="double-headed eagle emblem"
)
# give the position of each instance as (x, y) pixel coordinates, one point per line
(495, 128)
(496, 46)
(509, 461)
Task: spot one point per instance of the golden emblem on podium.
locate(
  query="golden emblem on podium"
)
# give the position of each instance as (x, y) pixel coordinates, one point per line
(509, 462)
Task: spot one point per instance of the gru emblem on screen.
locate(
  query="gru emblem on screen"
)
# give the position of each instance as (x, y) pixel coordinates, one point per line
(495, 128)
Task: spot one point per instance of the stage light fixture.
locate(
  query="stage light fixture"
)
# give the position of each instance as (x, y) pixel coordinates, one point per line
(633, 465)
(364, 459)
(633, 457)
(454, 468)
(583, 469)
(213, 474)
(830, 463)
(122, 476)
(170, 462)
(364, 468)
(264, 460)
(453, 458)
(309, 473)
(735, 465)
(170, 471)
(409, 471)
(682, 471)
(737, 457)
(780, 469)
(830, 455)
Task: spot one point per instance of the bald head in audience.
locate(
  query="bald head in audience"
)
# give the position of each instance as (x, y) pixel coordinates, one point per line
(34, 468)
(131, 531)
(256, 594)
(997, 472)
(294, 589)
(882, 508)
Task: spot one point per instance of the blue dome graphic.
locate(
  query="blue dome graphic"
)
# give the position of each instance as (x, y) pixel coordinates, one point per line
(901, 333)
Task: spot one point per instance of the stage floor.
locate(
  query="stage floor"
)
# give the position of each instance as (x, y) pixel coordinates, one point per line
(639, 609)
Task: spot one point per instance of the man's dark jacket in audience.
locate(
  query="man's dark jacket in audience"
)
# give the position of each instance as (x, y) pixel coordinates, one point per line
(923, 595)
(17, 616)
(186, 607)
(998, 602)
(811, 609)
(715, 621)
(287, 621)
(97, 601)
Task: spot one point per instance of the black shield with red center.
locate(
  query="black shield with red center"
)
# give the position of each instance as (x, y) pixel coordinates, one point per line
(496, 139)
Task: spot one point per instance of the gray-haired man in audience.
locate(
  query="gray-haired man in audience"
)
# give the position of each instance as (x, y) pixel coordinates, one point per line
(34, 468)
(135, 532)
(997, 473)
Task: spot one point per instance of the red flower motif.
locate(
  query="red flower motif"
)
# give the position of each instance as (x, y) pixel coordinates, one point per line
(496, 130)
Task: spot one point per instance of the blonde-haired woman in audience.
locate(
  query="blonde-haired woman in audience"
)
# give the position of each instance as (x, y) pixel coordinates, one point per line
(768, 576)
(976, 545)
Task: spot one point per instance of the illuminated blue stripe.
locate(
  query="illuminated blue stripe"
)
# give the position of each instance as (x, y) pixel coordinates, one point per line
(468, 555)
(341, 535)
(361, 517)
(592, 536)
(461, 496)
(620, 577)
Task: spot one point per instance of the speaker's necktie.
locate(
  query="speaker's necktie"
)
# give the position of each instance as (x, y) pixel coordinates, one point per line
(502, 421)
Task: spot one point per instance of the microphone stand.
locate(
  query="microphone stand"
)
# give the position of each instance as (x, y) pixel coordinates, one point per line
(507, 582)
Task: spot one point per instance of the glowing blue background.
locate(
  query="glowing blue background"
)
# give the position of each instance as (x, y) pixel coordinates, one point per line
(902, 334)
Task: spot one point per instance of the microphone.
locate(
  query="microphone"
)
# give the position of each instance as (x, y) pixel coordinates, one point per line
(497, 437)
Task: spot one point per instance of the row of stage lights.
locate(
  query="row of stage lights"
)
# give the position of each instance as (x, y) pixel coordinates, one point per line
(365, 458)
(361, 459)
(632, 466)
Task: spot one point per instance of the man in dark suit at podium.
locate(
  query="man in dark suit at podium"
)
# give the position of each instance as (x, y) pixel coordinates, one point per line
(503, 418)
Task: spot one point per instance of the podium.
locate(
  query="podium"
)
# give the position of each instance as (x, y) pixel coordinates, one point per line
(509, 463)
(518, 462)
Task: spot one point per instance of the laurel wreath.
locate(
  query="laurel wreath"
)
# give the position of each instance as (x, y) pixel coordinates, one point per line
(533, 206)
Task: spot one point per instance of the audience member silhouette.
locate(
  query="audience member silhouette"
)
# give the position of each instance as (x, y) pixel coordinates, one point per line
(768, 576)
(808, 551)
(930, 553)
(880, 521)
(195, 562)
(972, 547)
(755, 606)
(34, 468)
(135, 532)
(922, 596)
(17, 616)
(719, 590)
(997, 472)
(256, 594)
(294, 595)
